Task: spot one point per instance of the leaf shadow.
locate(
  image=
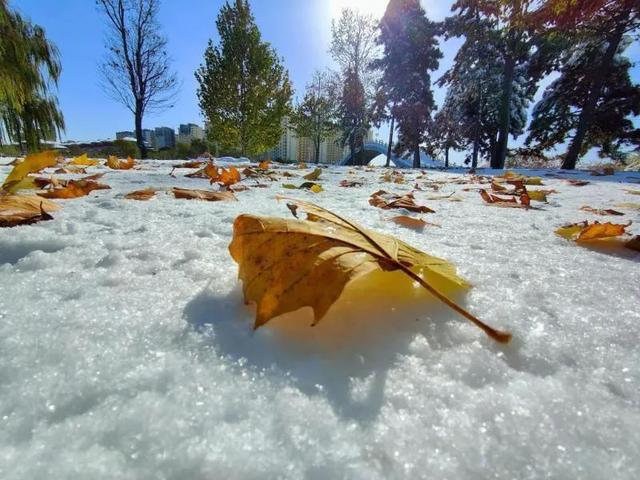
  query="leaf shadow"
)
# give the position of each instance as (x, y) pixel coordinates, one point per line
(345, 358)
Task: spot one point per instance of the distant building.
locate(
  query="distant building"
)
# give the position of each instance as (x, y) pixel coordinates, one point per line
(148, 138)
(189, 132)
(125, 134)
(165, 138)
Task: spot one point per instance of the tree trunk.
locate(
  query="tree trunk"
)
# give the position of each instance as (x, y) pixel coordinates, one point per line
(416, 156)
(316, 146)
(476, 148)
(446, 157)
(393, 121)
(139, 137)
(599, 78)
(497, 160)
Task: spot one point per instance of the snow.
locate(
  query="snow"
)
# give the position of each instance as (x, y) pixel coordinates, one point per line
(126, 350)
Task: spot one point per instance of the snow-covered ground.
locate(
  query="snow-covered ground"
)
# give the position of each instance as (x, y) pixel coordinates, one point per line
(126, 350)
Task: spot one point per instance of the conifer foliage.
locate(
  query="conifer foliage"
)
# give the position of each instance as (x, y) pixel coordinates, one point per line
(244, 90)
(411, 52)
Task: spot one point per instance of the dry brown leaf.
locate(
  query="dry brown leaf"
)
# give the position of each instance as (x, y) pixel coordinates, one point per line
(577, 183)
(411, 222)
(115, 164)
(350, 183)
(386, 201)
(24, 210)
(509, 202)
(74, 189)
(634, 243)
(598, 211)
(313, 176)
(142, 195)
(222, 196)
(191, 164)
(330, 251)
(264, 165)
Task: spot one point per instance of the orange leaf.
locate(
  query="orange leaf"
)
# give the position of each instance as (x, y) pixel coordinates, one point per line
(410, 222)
(601, 230)
(75, 189)
(386, 201)
(203, 195)
(264, 165)
(597, 211)
(146, 194)
(115, 164)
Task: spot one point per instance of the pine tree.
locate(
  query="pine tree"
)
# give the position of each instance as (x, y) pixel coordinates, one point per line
(559, 111)
(446, 132)
(353, 116)
(315, 116)
(411, 52)
(510, 28)
(601, 26)
(244, 90)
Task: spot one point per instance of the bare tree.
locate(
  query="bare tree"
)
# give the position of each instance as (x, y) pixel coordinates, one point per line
(136, 71)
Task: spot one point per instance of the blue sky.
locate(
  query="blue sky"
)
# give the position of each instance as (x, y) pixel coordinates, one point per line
(298, 29)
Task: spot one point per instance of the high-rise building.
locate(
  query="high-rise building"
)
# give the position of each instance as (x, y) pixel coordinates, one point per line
(148, 138)
(165, 138)
(189, 132)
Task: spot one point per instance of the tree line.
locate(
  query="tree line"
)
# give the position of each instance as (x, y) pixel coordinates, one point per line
(384, 75)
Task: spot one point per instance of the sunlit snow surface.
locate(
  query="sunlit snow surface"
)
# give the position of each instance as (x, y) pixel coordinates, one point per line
(126, 350)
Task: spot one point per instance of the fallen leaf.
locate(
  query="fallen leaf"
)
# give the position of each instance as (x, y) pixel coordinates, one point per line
(74, 189)
(634, 243)
(313, 176)
(71, 169)
(221, 196)
(31, 164)
(386, 201)
(83, 160)
(115, 164)
(192, 164)
(577, 183)
(350, 183)
(314, 187)
(598, 211)
(330, 251)
(632, 192)
(509, 202)
(264, 165)
(585, 231)
(411, 222)
(24, 210)
(143, 195)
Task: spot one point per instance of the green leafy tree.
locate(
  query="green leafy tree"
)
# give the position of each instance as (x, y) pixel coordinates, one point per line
(315, 116)
(411, 52)
(29, 66)
(244, 90)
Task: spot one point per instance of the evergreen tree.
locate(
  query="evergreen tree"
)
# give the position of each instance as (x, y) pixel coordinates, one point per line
(559, 111)
(244, 90)
(29, 66)
(599, 27)
(315, 116)
(353, 116)
(518, 50)
(446, 131)
(476, 81)
(410, 53)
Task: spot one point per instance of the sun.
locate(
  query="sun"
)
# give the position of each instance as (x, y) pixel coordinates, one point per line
(372, 7)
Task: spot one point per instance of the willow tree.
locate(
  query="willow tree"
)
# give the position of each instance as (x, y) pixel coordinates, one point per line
(29, 66)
